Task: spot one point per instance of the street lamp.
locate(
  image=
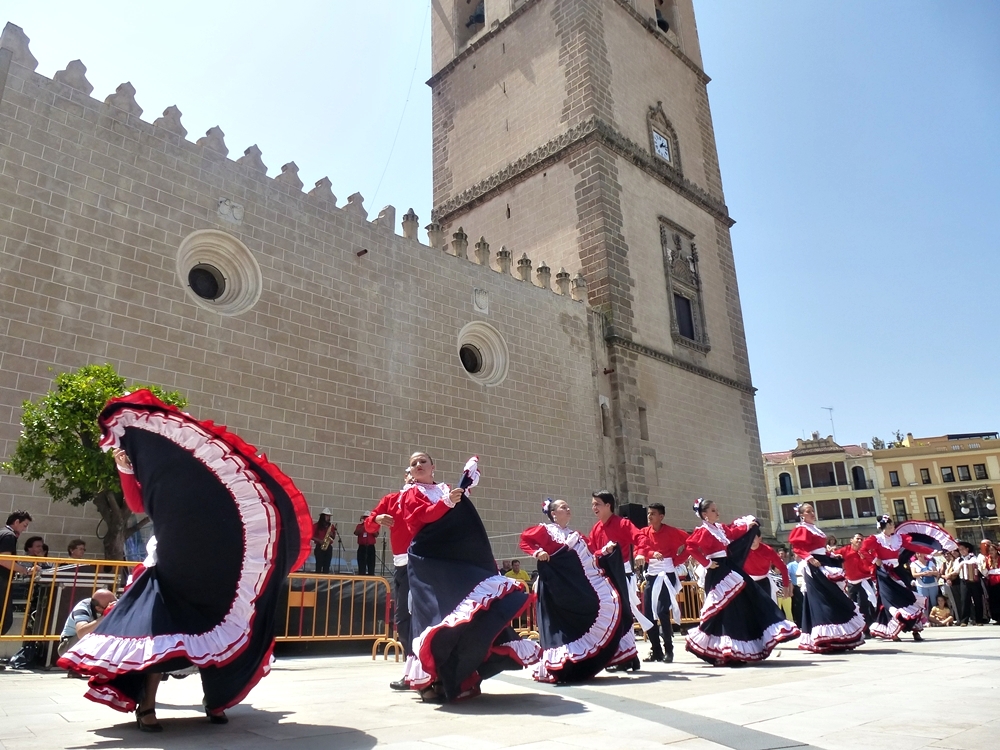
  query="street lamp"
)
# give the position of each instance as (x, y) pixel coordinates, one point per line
(971, 499)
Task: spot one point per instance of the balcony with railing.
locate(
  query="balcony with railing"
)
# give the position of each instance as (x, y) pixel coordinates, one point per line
(936, 516)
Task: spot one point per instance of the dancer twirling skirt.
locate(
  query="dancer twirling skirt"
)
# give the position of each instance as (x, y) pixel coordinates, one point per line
(229, 527)
(859, 574)
(830, 620)
(581, 615)
(461, 606)
(739, 622)
(900, 610)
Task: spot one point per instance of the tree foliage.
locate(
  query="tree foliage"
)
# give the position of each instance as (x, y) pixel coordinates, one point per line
(59, 445)
(895, 441)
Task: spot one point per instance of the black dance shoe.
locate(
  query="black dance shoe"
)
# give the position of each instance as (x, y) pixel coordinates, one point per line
(219, 718)
(669, 659)
(399, 685)
(654, 657)
(917, 637)
(635, 665)
(143, 727)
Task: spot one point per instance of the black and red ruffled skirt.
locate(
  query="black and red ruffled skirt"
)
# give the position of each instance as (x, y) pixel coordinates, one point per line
(580, 615)
(830, 619)
(229, 527)
(462, 608)
(739, 622)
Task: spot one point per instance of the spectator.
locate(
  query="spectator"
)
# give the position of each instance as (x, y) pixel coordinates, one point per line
(17, 524)
(785, 592)
(989, 566)
(77, 549)
(940, 615)
(84, 618)
(34, 547)
(517, 574)
(366, 549)
(970, 589)
(924, 572)
(948, 583)
(505, 567)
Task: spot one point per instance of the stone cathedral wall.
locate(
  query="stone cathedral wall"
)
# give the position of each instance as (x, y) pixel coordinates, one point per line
(346, 357)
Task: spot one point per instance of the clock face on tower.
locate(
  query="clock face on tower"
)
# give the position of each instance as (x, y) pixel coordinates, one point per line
(661, 146)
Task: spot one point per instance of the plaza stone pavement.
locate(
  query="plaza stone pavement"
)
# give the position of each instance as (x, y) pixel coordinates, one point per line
(893, 696)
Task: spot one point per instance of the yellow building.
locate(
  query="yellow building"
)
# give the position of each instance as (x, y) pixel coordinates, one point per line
(950, 479)
(837, 479)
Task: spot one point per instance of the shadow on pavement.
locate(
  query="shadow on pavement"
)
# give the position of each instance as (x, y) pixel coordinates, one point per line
(532, 704)
(248, 728)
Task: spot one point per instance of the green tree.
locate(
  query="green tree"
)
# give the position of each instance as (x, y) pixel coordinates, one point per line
(59, 446)
(896, 441)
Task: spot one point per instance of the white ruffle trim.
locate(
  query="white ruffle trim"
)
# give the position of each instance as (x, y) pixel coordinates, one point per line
(481, 597)
(116, 655)
(927, 528)
(526, 652)
(714, 648)
(850, 634)
(626, 649)
(721, 594)
(901, 616)
(609, 614)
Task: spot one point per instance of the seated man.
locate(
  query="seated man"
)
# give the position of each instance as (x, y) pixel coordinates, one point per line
(84, 618)
(517, 574)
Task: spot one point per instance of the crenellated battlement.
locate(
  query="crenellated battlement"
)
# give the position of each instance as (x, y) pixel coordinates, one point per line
(121, 104)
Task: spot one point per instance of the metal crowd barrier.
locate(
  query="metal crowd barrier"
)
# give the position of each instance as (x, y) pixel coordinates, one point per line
(691, 598)
(37, 604)
(318, 607)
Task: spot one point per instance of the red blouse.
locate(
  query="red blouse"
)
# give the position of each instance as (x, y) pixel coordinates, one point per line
(807, 539)
(668, 541)
(399, 533)
(887, 549)
(710, 541)
(856, 568)
(424, 504)
(618, 530)
(540, 539)
(759, 562)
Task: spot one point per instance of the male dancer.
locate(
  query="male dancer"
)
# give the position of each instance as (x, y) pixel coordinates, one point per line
(389, 512)
(663, 548)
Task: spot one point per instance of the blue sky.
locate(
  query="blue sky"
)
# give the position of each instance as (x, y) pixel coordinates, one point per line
(858, 143)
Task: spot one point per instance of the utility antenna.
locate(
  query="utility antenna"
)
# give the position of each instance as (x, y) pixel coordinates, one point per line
(832, 428)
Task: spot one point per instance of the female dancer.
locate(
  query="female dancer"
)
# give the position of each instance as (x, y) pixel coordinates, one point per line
(581, 615)
(739, 622)
(830, 620)
(900, 610)
(461, 606)
(758, 564)
(860, 577)
(218, 505)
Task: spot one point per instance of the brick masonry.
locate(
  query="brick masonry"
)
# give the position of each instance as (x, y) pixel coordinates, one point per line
(343, 367)
(612, 66)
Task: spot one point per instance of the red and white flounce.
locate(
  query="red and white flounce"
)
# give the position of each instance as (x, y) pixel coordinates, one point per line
(725, 649)
(604, 628)
(845, 636)
(722, 594)
(487, 592)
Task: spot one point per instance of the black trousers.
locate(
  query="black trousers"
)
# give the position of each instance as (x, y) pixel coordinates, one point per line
(661, 619)
(970, 601)
(859, 596)
(401, 607)
(366, 559)
(323, 558)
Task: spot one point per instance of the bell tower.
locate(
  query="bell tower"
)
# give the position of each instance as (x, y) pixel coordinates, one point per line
(579, 133)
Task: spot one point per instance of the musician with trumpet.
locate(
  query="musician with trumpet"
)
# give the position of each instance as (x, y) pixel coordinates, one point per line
(323, 536)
